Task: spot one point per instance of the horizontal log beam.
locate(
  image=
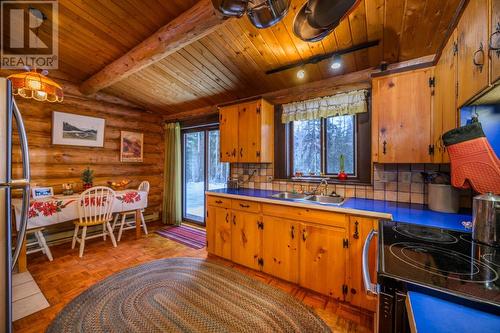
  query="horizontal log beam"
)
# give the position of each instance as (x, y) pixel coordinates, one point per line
(193, 24)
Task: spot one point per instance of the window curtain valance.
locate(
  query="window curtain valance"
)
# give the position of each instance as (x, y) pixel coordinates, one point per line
(348, 103)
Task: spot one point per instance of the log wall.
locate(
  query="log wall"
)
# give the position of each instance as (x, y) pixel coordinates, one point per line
(53, 165)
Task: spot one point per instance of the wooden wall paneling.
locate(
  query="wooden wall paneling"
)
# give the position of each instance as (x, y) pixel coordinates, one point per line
(375, 29)
(53, 165)
(344, 40)
(414, 24)
(393, 23)
(450, 11)
(359, 33)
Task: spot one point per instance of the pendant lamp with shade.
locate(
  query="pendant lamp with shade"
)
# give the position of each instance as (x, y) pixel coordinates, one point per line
(37, 86)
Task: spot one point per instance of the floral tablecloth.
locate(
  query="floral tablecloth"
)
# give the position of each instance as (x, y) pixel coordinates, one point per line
(58, 209)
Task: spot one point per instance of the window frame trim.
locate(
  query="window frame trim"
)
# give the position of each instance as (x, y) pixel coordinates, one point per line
(323, 154)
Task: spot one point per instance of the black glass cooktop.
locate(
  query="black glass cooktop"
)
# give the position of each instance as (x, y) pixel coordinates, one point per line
(439, 258)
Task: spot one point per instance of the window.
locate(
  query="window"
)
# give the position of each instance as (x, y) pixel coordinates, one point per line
(202, 170)
(319, 144)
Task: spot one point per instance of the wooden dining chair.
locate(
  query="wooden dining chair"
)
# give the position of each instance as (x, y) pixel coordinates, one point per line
(127, 225)
(95, 207)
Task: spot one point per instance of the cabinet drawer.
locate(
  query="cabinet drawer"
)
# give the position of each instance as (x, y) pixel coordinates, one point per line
(244, 205)
(218, 201)
(306, 215)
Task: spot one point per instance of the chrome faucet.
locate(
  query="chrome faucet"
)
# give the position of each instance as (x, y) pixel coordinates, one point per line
(324, 183)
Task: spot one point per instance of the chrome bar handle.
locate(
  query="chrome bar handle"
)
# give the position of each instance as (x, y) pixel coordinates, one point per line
(371, 288)
(25, 182)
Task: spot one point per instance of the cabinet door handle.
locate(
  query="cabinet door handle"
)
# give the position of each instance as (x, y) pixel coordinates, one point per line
(244, 206)
(241, 152)
(227, 217)
(356, 230)
(304, 235)
(292, 232)
(234, 219)
(495, 48)
(384, 149)
(479, 62)
(234, 152)
(218, 201)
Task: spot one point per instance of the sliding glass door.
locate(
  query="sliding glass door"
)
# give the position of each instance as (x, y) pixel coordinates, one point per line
(202, 170)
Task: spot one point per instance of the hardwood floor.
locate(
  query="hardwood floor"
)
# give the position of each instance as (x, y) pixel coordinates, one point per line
(67, 276)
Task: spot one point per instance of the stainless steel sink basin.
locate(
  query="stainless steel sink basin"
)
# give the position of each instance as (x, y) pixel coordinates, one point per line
(289, 195)
(324, 199)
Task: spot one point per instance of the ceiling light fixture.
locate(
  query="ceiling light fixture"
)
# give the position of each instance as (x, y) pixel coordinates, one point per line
(37, 86)
(301, 74)
(336, 63)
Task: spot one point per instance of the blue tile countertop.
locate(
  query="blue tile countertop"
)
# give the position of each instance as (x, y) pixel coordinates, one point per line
(430, 314)
(401, 212)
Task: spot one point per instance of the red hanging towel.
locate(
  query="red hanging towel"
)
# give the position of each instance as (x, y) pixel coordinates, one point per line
(473, 161)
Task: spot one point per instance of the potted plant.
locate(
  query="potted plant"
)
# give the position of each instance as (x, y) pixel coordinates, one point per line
(87, 178)
(342, 175)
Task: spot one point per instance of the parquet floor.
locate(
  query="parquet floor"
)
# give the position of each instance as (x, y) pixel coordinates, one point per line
(67, 276)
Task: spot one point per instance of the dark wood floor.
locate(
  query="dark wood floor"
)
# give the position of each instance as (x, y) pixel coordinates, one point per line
(68, 275)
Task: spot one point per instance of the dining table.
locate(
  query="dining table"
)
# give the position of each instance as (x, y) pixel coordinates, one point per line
(56, 209)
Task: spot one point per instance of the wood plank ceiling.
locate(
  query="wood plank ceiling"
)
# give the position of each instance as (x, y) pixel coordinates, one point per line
(230, 63)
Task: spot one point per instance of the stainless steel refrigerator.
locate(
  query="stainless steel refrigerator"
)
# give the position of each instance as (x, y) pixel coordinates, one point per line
(9, 252)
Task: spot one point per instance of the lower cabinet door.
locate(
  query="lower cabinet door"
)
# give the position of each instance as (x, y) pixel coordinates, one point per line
(323, 258)
(359, 228)
(210, 228)
(222, 235)
(245, 239)
(280, 250)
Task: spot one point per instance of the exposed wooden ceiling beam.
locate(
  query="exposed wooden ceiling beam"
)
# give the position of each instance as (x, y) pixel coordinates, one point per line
(193, 24)
(333, 85)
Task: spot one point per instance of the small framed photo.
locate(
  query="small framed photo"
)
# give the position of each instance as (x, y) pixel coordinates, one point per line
(75, 130)
(131, 147)
(42, 192)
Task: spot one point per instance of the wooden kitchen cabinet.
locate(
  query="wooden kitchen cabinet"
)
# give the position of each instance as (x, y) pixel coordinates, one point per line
(210, 228)
(445, 112)
(222, 232)
(280, 248)
(248, 130)
(323, 259)
(359, 228)
(246, 238)
(228, 125)
(495, 40)
(401, 120)
(473, 60)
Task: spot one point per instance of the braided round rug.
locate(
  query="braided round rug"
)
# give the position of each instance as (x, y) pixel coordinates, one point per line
(184, 295)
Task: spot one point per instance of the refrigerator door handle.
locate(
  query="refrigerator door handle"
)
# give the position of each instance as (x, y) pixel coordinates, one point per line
(24, 183)
(371, 288)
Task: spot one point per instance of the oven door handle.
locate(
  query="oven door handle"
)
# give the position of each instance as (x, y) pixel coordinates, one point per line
(371, 288)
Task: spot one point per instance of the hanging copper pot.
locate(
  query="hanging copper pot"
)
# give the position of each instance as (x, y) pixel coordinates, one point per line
(303, 30)
(267, 13)
(231, 8)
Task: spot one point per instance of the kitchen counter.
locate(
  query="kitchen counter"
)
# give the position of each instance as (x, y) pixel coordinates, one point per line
(401, 212)
(428, 314)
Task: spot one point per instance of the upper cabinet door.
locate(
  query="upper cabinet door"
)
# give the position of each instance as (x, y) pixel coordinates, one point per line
(445, 112)
(249, 135)
(495, 40)
(473, 60)
(402, 117)
(228, 117)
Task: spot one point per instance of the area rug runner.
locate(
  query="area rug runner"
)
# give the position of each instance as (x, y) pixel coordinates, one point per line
(185, 295)
(192, 237)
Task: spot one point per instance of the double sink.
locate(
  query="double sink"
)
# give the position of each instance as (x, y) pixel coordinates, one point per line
(321, 199)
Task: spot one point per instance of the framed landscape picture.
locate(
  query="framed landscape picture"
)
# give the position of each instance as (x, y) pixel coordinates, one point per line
(132, 144)
(75, 130)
